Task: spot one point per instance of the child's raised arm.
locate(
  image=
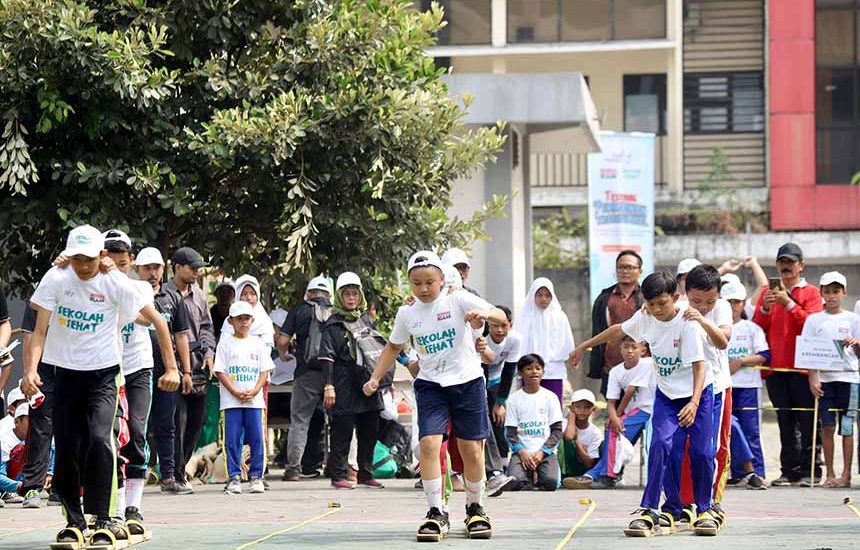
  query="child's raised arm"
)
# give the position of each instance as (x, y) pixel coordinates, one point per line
(609, 335)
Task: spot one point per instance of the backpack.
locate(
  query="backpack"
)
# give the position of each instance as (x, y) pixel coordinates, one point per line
(384, 462)
(366, 344)
(319, 317)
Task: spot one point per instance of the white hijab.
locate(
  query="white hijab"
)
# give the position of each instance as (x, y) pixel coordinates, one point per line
(545, 331)
(262, 327)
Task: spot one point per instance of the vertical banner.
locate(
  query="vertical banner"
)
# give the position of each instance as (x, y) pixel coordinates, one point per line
(620, 204)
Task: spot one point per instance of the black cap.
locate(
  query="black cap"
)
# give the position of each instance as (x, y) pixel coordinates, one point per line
(790, 251)
(188, 256)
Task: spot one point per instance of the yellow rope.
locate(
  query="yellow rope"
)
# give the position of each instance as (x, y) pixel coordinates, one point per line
(592, 506)
(288, 529)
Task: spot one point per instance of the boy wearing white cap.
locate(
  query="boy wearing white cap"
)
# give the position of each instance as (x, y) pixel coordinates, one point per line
(533, 427)
(450, 386)
(684, 267)
(242, 364)
(748, 348)
(582, 439)
(837, 390)
(458, 259)
(85, 310)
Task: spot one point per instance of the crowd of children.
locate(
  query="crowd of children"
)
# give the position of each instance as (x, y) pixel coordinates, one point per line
(489, 386)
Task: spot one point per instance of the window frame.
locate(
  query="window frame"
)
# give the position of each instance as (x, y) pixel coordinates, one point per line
(696, 104)
(662, 100)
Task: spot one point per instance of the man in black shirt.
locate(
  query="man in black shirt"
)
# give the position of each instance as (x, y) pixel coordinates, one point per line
(150, 268)
(309, 378)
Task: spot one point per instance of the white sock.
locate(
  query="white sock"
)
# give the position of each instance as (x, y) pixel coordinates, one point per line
(474, 491)
(120, 502)
(433, 493)
(134, 492)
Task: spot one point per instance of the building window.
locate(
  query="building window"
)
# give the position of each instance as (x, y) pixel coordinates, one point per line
(723, 103)
(469, 21)
(585, 20)
(837, 83)
(645, 103)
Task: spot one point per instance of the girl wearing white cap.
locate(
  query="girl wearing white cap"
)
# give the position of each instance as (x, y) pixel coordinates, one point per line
(248, 290)
(343, 362)
(450, 386)
(546, 331)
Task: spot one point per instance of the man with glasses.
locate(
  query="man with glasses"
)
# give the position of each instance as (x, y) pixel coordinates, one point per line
(615, 305)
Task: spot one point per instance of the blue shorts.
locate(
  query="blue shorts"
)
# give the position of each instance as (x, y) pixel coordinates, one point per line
(464, 404)
(839, 395)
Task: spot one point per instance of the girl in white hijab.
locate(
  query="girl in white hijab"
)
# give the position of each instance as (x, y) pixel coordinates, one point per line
(248, 290)
(546, 332)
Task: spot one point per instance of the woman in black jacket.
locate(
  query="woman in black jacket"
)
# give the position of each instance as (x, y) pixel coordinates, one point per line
(349, 408)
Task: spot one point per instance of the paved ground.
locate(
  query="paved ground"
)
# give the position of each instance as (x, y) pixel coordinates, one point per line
(777, 518)
(791, 518)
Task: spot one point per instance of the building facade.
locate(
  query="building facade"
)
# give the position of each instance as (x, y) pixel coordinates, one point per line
(755, 104)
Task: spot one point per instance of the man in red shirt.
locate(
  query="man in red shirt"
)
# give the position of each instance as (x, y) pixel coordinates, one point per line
(781, 312)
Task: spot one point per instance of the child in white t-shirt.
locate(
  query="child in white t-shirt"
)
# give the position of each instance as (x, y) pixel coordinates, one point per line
(580, 449)
(85, 309)
(533, 426)
(630, 400)
(837, 389)
(683, 405)
(450, 386)
(504, 343)
(242, 364)
(747, 348)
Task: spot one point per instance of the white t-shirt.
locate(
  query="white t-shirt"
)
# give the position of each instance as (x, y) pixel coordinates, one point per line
(591, 438)
(443, 338)
(136, 342)
(836, 327)
(857, 307)
(86, 317)
(747, 339)
(718, 359)
(641, 376)
(532, 414)
(675, 346)
(508, 351)
(243, 360)
(8, 439)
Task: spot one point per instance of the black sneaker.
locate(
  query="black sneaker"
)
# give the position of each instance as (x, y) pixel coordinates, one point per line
(110, 524)
(755, 483)
(134, 521)
(478, 524)
(175, 488)
(434, 527)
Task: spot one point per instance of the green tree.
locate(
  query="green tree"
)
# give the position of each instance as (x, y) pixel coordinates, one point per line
(279, 137)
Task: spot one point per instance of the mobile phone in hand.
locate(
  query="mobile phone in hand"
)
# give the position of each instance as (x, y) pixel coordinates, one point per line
(775, 283)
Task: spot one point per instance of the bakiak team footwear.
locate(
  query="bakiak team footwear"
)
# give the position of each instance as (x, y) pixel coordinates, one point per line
(435, 526)
(648, 524)
(478, 525)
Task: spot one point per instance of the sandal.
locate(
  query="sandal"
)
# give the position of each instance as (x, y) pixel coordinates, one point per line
(645, 525)
(708, 524)
(478, 524)
(70, 537)
(434, 527)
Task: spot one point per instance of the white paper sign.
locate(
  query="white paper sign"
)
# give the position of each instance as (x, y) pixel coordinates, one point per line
(821, 354)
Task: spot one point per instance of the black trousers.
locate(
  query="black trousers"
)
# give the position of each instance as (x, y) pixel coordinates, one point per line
(791, 390)
(138, 393)
(188, 421)
(84, 409)
(164, 429)
(38, 458)
(366, 426)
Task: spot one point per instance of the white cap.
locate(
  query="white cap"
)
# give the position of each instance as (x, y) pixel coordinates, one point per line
(148, 256)
(347, 278)
(687, 265)
(583, 395)
(833, 277)
(454, 256)
(278, 316)
(239, 307)
(733, 291)
(730, 278)
(22, 410)
(85, 240)
(425, 258)
(116, 235)
(15, 394)
(452, 277)
(319, 282)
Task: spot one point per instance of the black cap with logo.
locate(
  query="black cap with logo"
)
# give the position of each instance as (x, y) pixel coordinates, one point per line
(791, 252)
(190, 257)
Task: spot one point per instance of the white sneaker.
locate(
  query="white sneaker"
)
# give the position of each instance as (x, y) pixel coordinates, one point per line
(234, 486)
(257, 485)
(500, 483)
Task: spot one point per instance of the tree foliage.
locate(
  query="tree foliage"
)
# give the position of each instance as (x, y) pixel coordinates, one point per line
(280, 137)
